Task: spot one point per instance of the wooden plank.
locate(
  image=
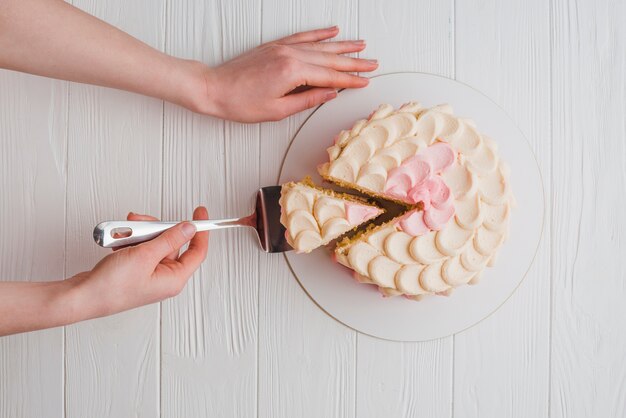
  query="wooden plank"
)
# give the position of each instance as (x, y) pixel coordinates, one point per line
(588, 371)
(502, 364)
(306, 359)
(33, 118)
(210, 330)
(114, 166)
(406, 379)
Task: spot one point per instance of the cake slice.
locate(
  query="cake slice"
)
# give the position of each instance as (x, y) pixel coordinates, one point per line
(314, 216)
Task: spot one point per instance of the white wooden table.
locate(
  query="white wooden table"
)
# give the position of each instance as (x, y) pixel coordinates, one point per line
(243, 339)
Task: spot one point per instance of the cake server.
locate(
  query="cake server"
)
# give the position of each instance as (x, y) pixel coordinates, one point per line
(265, 220)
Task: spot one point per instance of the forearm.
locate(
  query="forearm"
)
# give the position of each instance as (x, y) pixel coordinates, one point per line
(54, 39)
(29, 306)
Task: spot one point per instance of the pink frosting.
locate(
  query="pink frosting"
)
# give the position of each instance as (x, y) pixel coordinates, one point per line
(418, 179)
(413, 223)
(356, 214)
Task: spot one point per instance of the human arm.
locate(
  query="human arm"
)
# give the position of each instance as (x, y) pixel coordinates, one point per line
(52, 38)
(128, 278)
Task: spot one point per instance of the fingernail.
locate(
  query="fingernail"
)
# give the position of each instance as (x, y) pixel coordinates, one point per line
(189, 230)
(375, 62)
(331, 94)
(131, 213)
(359, 41)
(334, 27)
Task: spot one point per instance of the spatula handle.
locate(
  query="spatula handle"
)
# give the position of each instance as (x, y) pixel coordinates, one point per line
(111, 234)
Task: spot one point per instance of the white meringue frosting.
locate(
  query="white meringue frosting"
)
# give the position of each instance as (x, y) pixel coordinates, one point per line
(435, 262)
(313, 217)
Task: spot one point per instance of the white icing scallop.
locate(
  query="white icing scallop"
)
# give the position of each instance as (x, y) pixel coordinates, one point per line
(472, 260)
(333, 152)
(402, 149)
(495, 217)
(420, 143)
(385, 161)
(424, 249)
(483, 161)
(383, 111)
(451, 239)
(453, 272)
(326, 208)
(360, 256)
(357, 128)
(383, 271)
(411, 107)
(487, 242)
(431, 279)
(299, 201)
(494, 188)
(300, 220)
(359, 151)
(374, 135)
(449, 126)
(407, 279)
(465, 140)
(397, 247)
(468, 212)
(308, 239)
(334, 227)
(371, 181)
(427, 127)
(378, 237)
(343, 169)
(372, 177)
(460, 181)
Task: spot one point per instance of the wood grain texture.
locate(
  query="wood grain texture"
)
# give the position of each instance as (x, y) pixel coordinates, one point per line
(406, 379)
(33, 117)
(502, 364)
(306, 358)
(243, 339)
(588, 373)
(114, 166)
(209, 337)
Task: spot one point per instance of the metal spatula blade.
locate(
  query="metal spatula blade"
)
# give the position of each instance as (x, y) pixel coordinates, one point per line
(265, 220)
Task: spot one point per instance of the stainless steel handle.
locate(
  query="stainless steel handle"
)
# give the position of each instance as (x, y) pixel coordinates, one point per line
(110, 234)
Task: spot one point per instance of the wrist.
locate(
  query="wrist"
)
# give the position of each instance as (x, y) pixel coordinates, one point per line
(67, 301)
(80, 300)
(196, 88)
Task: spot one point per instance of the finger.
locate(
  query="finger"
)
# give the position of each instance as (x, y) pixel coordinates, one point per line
(336, 47)
(191, 259)
(336, 62)
(137, 217)
(179, 272)
(294, 103)
(315, 75)
(169, 241)
(310, 36)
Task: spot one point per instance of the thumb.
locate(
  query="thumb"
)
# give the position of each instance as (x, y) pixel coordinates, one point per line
(171, 240)
(298, 102)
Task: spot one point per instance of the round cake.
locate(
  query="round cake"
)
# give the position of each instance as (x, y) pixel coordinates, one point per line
(452, 183)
